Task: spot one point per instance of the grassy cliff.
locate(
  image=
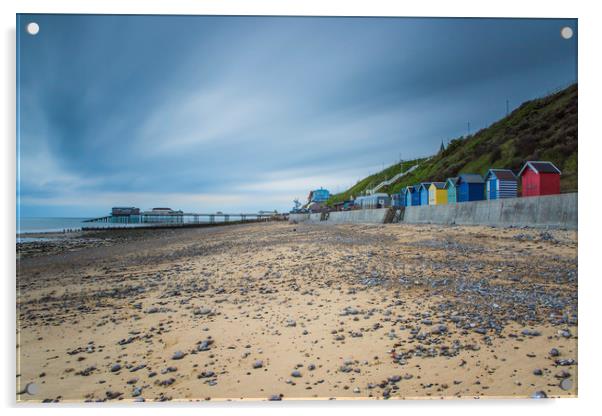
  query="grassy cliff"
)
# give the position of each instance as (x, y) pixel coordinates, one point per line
(373, 180)
(540, 129)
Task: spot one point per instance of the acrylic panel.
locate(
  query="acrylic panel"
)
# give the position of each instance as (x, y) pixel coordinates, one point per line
(280, 208)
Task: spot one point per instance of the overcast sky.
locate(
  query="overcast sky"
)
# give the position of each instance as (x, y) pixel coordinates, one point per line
(247, 113)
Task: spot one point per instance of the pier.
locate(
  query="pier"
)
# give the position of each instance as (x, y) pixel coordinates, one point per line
(170, 217)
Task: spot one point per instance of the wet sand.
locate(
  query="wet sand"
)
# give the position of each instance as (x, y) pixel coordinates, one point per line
(282, 311)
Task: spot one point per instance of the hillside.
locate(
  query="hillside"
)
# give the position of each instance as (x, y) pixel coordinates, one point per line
(540, 129)
(373, 180)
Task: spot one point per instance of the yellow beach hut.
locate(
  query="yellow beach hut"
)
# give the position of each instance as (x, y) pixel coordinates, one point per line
(437, 193)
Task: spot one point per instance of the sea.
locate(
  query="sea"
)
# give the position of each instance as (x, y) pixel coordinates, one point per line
(48, 224)
(38, 225)
(29, 225)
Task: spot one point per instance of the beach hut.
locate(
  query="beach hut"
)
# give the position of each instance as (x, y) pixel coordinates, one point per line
(378, 200)
(412, 196)
(500, 183)
(402, 193)
(470, 187)
(540, 178)
(398, 200)
(437, 193)
(424, 193)
(450, 186)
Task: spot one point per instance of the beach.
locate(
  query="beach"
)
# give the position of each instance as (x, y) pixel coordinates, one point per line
(279, 311)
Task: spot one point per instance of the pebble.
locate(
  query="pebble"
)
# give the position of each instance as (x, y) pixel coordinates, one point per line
(258, 364)
(394, 379)
(568, 361)
(167, 382)
(205, 345)
(539, 395)
(202, 311)
(115, 368)
(441, 329)
(112, 394)
(562, 374)
(566, 384)
(178, 355)
(296, 373)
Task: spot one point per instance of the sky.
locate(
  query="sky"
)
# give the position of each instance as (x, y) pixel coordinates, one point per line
(240, 114)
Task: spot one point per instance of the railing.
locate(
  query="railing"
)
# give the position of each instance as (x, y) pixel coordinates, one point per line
(394, 179)
(191, 217)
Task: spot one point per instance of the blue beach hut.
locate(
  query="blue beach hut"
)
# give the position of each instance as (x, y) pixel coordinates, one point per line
(470, 187)
(412, 196)
(424, 193)
(501, 183)
(402, 197)
(450, 185)
(398, 199)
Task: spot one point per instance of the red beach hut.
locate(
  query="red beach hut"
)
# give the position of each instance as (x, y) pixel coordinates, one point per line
(540, 178)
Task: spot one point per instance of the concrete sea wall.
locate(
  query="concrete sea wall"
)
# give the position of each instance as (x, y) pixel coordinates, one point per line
(360, 216)
(553, 211)
(295, 218)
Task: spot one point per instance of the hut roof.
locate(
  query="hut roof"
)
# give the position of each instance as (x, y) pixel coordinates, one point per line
(470, 178)
(438, 185)
(502, 174)
(540, 167)
(425, 185)
(413, 188)
(451, 181)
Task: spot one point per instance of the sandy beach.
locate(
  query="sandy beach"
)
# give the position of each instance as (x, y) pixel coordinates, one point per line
(278, 311)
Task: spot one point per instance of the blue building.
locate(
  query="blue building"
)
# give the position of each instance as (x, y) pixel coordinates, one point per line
(396, 200)
(402, 194)
(424, 193)
(470, 187)
(399, 199)
(318, 195)
(501, 183)
(412, 196)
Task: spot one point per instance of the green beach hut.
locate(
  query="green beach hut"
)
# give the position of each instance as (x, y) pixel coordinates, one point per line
(450, 185)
